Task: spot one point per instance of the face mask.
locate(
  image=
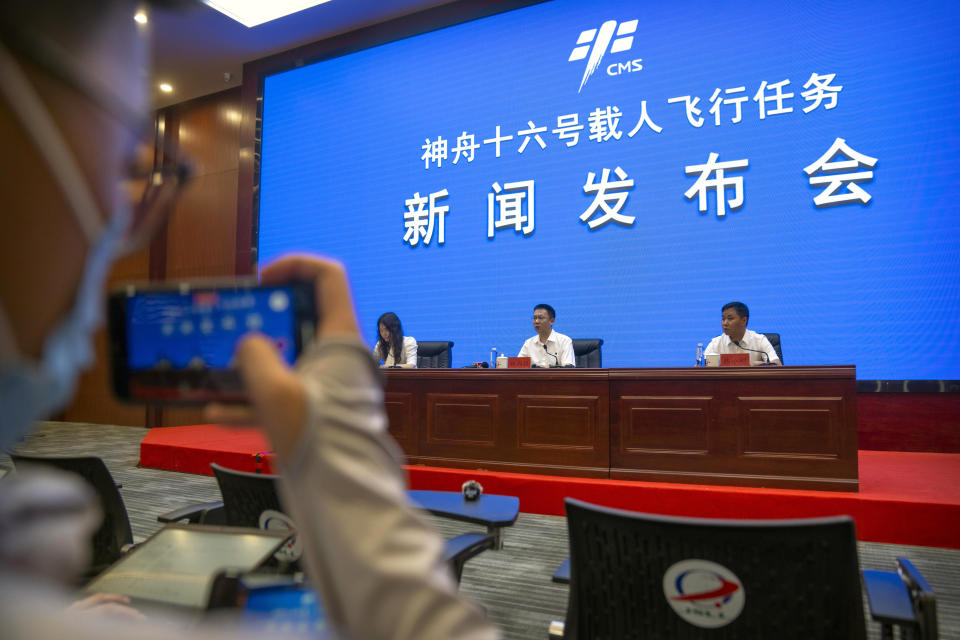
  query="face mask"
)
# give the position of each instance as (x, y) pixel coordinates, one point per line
(34, 390)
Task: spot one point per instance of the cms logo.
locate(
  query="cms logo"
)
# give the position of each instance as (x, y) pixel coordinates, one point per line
(593, 44)
(618, 68)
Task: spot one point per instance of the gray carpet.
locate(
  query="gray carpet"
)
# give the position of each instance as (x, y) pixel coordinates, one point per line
(513, 584)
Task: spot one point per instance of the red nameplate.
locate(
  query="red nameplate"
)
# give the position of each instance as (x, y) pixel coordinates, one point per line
(734, 359)
(518, 363)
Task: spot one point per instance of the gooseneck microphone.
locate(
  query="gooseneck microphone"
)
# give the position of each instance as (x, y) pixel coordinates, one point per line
(766, 358)
(551, 354)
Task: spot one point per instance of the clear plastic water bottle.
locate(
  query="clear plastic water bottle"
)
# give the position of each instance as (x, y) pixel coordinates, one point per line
(493, 358)
(700, 361)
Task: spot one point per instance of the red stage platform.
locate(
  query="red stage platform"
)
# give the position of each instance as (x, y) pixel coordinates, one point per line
(904, 498)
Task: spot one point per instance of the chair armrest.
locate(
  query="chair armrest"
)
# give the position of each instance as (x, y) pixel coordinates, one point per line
(457, 550)
(912, 576)
(562, 574)
(888, 597)
(193, 513)
(922, 597)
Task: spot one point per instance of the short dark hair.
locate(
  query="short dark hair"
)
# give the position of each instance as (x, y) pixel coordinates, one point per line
(548, 309)
(739, 307)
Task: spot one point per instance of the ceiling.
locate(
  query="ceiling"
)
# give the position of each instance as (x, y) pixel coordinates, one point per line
(195, 47)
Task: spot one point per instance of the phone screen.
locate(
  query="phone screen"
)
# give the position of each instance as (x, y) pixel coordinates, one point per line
(294, 609)
(200, 329)
(176, 344)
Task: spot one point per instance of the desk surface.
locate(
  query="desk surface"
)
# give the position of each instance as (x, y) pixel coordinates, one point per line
(488, 509)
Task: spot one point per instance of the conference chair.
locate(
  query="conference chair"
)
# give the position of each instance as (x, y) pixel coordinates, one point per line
(246, 496)
(114, 537)
(636, 575)
(904, 599)
(434, 354)
(586, 353)
(774, 339)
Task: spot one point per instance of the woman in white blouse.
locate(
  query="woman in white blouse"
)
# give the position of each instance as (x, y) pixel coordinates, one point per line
(393, 342)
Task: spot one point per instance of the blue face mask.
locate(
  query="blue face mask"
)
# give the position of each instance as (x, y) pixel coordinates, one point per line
(32, 390)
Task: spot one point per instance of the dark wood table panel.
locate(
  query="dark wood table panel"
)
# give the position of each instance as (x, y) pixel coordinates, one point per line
(521, 420)
(752, 426)
(786, 427)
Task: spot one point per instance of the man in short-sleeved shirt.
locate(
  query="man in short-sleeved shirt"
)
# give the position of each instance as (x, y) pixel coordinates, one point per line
(737, 338)
(547, 348)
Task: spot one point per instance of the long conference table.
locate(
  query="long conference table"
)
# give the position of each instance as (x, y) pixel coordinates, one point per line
(783, 427)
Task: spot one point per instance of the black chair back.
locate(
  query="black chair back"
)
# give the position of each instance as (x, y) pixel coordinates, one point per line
(114, 533)
(246, 495)
(586, 353)
(637, 575)
(774, 339)
(434, 354)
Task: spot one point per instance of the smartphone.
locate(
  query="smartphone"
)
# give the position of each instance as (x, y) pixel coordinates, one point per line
(268, 602)
(173, 343)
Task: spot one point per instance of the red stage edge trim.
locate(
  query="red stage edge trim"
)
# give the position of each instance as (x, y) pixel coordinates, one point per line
(889, 520)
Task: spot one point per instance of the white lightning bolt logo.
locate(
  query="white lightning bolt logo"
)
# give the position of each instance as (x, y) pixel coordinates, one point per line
(600, 39)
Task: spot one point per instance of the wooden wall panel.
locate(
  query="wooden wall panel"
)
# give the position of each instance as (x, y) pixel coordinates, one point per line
(201, 238)
(201, 234)
(94, 400)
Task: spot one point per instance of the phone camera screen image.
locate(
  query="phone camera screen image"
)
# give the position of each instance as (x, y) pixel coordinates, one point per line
(178, 344)
(200, 329)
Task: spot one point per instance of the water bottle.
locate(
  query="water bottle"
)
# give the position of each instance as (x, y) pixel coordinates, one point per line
(700, 361)
(493, 357)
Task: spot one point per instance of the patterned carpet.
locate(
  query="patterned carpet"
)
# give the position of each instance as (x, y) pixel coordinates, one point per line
(513, 584)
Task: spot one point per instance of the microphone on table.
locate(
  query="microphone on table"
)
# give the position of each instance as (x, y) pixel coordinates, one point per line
(471, 490)
(766, 358)
(551, 354)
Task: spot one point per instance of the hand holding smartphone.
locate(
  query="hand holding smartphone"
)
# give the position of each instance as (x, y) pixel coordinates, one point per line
(173, 343)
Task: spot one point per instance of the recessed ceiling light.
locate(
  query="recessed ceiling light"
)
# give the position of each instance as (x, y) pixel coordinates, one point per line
(165, 87)
(140, 17)
(250, 13)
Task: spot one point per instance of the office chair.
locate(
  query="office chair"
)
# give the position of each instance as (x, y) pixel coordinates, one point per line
(586, 353)
(636, 575)
(114, 537)
(434, 354)
(774, 339)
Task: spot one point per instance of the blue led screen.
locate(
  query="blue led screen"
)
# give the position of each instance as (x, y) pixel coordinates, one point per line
(638, 165)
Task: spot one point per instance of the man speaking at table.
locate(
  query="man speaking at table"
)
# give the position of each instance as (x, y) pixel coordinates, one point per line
(548, 348)
(737, 338)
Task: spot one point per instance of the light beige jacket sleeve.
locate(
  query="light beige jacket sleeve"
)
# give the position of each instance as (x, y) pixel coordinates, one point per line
(376, 563)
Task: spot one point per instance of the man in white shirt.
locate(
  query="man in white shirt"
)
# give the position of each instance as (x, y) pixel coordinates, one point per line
(548, 348)
(737, 338)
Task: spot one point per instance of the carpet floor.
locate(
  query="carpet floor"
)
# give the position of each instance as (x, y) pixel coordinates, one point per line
(513, 584)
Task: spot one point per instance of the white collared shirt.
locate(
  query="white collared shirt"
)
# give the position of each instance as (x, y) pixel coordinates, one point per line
(558, 345)
(409, 353)
(751, 340)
